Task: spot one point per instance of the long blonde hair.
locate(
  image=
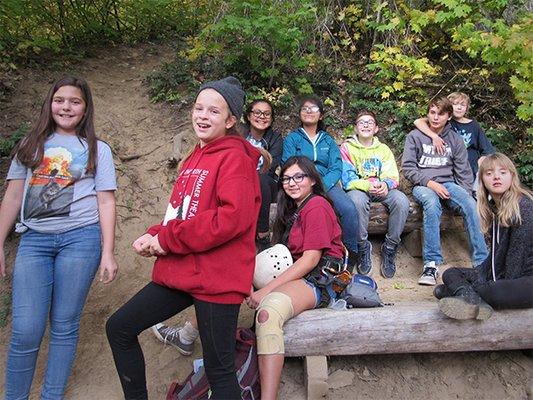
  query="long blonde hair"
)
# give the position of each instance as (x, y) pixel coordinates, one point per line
(508, 210)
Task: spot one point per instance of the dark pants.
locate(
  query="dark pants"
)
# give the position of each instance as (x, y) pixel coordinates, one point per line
(269, 189)
(217, 324)
(501, 294)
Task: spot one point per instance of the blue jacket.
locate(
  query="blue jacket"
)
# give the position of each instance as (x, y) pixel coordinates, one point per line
(324, 153)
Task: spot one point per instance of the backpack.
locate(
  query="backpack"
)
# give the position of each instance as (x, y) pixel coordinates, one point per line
(196, 387)
(362, 292)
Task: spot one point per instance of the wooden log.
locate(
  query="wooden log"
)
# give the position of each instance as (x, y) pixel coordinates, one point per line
(403, 328)
(379, 218)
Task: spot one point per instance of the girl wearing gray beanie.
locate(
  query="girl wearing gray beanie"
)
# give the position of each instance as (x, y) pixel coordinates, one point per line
(204, 247)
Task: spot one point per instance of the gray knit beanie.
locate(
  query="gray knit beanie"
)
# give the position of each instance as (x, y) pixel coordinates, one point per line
(231, 89)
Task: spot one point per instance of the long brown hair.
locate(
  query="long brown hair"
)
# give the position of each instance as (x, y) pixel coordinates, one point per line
(286, 206)
(30, 150)
(508, 211)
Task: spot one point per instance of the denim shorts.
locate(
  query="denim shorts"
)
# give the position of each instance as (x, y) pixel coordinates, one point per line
(316, 290)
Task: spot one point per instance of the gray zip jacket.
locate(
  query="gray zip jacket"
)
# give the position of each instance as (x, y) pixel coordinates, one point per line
(421, 162)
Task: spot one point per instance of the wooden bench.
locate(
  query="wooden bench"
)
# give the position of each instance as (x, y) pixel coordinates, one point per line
(412, 241)
(403, 328)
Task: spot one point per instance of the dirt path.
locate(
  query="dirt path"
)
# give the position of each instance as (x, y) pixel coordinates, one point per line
(134, 126)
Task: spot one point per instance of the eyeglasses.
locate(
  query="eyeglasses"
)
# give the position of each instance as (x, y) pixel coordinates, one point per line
(261, 114)
(297, 178)
(363, 123)
(310, 109)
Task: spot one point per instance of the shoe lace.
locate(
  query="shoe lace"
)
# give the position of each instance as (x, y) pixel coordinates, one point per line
(170, 333)
(430, 271)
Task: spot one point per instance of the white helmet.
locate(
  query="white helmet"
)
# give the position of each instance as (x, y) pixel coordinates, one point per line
(270, 264)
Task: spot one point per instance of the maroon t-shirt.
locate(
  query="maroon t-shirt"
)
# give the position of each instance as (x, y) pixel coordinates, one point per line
(316, 228)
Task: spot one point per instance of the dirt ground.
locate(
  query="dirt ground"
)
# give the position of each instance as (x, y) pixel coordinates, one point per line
(141, 134)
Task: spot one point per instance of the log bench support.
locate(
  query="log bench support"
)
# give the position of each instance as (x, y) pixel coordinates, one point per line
(403, 328)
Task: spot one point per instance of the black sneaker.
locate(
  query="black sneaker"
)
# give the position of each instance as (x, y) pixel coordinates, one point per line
(388, 257)
(365, 257)
(171, 335)
(465, 304)
(441, 291)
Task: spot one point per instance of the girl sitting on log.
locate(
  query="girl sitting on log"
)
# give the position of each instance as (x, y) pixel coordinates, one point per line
(505, 279)
(307, 224)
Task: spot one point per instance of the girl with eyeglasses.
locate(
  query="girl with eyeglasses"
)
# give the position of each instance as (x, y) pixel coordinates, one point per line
(306, 223)
(259, 117)
(312, 141)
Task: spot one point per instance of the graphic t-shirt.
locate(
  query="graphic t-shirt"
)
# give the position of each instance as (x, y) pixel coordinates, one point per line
(258, 144)
(476, 142)
(59, 195)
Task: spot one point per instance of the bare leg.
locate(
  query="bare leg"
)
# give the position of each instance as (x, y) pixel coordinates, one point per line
(271, 365)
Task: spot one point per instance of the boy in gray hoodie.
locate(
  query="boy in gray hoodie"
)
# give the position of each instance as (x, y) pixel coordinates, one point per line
(441, 179)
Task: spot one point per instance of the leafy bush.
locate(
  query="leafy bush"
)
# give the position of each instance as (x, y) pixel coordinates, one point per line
(29, 28)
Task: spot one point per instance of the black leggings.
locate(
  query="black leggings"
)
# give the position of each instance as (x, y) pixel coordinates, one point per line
(217, 324)
(269, 189)
(501, 294)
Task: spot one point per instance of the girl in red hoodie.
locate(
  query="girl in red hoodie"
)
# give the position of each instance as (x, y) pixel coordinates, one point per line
(205, 247)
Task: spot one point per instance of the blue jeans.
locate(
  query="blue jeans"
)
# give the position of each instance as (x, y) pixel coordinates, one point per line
(51, 280)
(460, 200)
(348, 216)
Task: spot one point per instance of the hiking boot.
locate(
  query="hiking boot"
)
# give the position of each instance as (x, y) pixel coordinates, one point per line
(353, 261)
(429, 274)
(365, 259)
(465, 304)
(388, 257)
(262, 243)
(171, 335)
(441, 291)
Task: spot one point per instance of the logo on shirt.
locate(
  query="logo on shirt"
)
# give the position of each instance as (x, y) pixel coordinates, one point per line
(186, 198)
(430, 158)
(51, 187)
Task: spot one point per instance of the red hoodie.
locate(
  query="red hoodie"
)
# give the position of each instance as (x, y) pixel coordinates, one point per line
(209, 227)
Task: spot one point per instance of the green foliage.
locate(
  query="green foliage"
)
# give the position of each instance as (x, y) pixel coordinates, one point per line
(7, 144)
(262, 42)
(29, 28)
(518, 147)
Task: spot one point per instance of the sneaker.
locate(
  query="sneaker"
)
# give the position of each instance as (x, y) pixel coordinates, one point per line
(441, 291)
(365, 257)
(388, 258)
(429, 275)
(171, 335)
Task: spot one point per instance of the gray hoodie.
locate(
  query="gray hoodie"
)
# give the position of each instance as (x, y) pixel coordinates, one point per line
(421, 162)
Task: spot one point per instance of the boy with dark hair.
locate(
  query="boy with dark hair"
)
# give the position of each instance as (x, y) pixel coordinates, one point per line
(369, 173)
(477, 144)
(441, 178)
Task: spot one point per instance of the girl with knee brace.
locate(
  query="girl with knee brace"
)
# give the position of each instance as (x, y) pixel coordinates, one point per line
(205, 247)
(307, 224)
(505, 279)
(62, 180)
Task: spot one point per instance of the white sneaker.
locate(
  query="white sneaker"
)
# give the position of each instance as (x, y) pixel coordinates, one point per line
(429, 275)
